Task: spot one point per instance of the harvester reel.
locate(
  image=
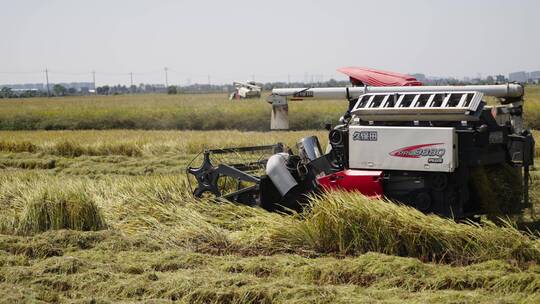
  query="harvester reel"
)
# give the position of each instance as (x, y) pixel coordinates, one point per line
(207, 178)
(244, 174)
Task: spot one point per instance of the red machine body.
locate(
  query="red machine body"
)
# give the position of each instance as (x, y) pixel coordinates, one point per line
(378, 78)
(366, 182)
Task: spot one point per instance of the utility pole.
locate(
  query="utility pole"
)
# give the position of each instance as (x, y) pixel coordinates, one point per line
(166, 78)
(47, 81)
(94, 81)
(209, 79)
(289, 79)
(131, 80)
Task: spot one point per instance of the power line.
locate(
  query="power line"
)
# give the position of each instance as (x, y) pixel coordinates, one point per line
(68, 73)
(112, 73)
(308, 77)
(25, 72)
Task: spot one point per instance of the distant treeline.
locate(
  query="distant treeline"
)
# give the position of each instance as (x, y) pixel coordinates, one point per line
(61, 90)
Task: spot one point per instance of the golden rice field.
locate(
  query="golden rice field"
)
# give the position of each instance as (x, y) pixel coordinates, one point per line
(107, 216)
(159, 112)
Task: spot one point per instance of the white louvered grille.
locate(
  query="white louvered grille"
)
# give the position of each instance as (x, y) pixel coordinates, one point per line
(419, 106)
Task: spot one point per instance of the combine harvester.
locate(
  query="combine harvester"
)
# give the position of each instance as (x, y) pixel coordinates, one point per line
(419, 145)
(245, 90)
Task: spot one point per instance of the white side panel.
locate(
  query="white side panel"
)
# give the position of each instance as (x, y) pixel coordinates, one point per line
(403, 148)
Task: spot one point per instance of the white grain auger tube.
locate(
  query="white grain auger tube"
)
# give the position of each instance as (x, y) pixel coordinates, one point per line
(280, 97)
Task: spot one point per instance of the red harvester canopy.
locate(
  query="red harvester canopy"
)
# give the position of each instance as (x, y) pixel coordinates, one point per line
(362, 76)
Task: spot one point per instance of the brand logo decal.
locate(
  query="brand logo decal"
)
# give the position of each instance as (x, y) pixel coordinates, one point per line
(365, 135)
(418, 151)
(303, 94)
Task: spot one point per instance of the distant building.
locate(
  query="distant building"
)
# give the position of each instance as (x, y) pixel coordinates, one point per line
(420, 77)
(500, 79)
(78, 86)
(25, 86)
(521, 76)
(25, 90)
(535, 76)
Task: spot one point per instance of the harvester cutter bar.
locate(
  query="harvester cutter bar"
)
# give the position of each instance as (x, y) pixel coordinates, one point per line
(271, 148)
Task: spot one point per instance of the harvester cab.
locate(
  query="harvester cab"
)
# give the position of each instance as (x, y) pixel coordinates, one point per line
(248, 89)
(440, 149)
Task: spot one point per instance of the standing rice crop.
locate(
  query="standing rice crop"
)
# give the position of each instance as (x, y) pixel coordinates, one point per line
(349, 223)
(54, 207)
